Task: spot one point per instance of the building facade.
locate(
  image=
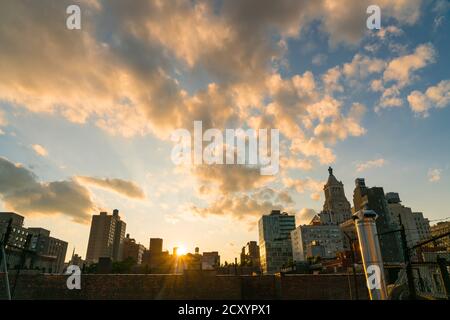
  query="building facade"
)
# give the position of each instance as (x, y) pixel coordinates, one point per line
(19, 233)
(210, 260)
(374, 199)
(417, 228)
(275, 246)
(45, 245)
(250, 254)
(106, 237)
(323, 241)
(422, 225)
(336, 208)
(439, 229)
(132, 250)
(31, 248)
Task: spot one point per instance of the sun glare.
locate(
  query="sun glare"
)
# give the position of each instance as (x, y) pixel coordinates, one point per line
(181, 251)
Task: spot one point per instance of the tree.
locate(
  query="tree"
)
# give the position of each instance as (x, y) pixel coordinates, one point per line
(124, 266)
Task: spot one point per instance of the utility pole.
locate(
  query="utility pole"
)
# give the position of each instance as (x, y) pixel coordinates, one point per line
(409, 270)
(22, 261)
(5, 266)
(442, 263)
(351, 241)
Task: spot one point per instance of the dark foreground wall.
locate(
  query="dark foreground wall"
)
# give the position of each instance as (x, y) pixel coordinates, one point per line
(94, 286)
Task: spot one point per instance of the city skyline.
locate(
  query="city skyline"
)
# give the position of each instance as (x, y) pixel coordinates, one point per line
(86, 115)
(181, 249)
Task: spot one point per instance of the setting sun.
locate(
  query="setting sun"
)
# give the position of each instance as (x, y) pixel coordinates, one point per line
(181, 250)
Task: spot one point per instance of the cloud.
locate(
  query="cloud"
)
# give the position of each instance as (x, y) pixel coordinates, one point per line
(378, 163)
(440, 9)
(441, 6)
(225, 179)
(331, 80)
(361, 67)
(126, 188)
(142, 52)
(400, 72)
(302, 185)
(309, 115)
(313, 147)
(434, 175)
(390, 30)
(400, 69)
(135, 48)
(3, 120)
(319, 59)
(245, 206)
(295, 163)
(22, 192)
(40, 150)
(434, 97)
(315, 196)
(341, 126)
(304, 216)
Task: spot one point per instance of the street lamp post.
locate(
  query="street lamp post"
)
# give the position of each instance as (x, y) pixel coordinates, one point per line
(371, 253)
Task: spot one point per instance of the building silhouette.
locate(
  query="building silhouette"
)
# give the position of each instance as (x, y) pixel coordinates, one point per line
(156, 245)
(250, 255)
(31, 248)
(210, 260)
(374, 199)
(275, 245)
(132, 250)
(106, 237)
(155, 260)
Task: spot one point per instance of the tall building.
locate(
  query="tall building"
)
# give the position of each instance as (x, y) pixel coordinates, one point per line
(374, 199)
(106, 237)
(307, 239)
(275, 245)
(336, 208)
(43, 252)
(18, 234)
(417, 228)
(132, 250)
(76, 260)
(155, 258)
(156, 245)
(323, 237)
(250, 254)
(423, 226)
(45, 245)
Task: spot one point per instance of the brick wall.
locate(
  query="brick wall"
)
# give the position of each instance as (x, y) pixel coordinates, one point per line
(95, 286)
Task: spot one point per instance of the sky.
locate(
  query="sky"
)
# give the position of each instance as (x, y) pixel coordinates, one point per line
(86, 115)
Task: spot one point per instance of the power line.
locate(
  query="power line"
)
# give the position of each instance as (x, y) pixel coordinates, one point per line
(439, 219)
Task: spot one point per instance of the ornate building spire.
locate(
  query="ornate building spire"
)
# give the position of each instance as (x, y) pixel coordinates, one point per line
(336, 208)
